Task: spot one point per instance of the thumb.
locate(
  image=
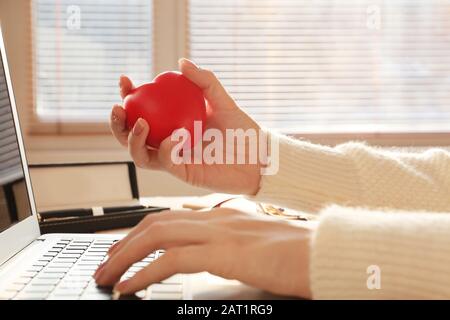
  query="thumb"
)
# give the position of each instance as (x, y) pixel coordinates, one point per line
(125, 85)
(206, 80)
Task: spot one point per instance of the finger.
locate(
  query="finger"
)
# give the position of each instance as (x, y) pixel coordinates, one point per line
(171, 160)
(158, 217)
(126, 85)
(189, 259)
(142, 156)
(162, 235)
(212, 89)
(118, 124)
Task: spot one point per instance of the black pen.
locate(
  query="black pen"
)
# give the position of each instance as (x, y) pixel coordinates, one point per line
(85, 212)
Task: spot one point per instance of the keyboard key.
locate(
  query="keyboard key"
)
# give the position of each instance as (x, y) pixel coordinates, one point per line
(167, 288)
(88, 263)
(127, 275)
(75, 249)
(38, 289)
(44, 281)
(81, 272)
(60, 265)
(96, 296)
(49, 275)
(23, 280)
(40, 263)
(96, 250)
(69, 255)
(29, 274)
(104, 241)
(135, 269)
(140, 264)
(72, 278)
(92, 291)
(50, 254)
(81, 242)
(66, 260)
(47, 259)
(16, 287)
(6, 295)
(141, 294)
(66, 289)
(92, 258)
(31, 295)
(72, 251)
(63, 297)
(55, 269)
(74, 283)
(79, 267)
(166, 296)
(34, 268)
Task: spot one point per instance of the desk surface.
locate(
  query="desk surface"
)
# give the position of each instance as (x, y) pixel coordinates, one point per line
(204, 285)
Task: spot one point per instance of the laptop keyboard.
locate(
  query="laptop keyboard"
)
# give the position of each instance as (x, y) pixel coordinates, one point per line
(65, 272)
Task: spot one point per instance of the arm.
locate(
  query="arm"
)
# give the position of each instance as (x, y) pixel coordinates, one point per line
(411, 251)
(311, 176)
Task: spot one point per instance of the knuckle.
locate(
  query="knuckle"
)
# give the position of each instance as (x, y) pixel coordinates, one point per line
(156, 229)
(139, 164)
(174, 256)
(211, 75)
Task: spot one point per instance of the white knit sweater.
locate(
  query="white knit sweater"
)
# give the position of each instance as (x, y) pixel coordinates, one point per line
(378, 209)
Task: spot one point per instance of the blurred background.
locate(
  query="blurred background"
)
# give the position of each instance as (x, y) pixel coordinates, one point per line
(325, 70)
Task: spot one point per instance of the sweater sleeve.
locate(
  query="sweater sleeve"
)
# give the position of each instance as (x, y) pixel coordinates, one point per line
(361, 254)
(311, 176)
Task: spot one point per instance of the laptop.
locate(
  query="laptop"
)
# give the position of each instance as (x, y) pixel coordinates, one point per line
(50, 266)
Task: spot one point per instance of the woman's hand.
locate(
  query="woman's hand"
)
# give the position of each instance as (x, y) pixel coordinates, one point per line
(222, 114)
(263, 252)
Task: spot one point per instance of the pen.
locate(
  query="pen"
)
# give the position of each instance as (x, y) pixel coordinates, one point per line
(84, 212)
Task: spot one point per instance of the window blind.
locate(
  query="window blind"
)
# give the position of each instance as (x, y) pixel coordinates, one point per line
(10, 165)
(81, 49)
(330, 65)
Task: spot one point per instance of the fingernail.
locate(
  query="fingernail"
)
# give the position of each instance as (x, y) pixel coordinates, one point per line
(121, 286)
(114, 117)
(99, 275)
(138, 127)
(116, 295)
(188, 62)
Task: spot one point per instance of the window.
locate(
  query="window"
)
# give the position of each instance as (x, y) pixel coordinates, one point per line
(325, 66)
(10, 166)
(330, 66)
(81, 48)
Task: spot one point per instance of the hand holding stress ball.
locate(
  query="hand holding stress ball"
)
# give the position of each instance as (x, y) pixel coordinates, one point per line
(168, 103)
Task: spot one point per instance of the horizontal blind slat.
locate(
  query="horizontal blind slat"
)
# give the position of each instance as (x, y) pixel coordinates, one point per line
(321, 65)
(78, 67)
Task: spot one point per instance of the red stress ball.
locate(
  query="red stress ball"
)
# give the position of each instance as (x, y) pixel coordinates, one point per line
(168, 103)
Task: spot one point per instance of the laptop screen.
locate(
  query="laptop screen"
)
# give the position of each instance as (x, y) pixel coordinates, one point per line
(14, 201)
